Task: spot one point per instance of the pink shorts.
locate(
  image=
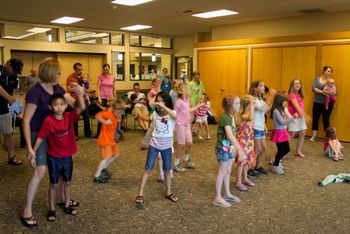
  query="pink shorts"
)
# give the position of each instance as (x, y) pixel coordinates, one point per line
(183, 134)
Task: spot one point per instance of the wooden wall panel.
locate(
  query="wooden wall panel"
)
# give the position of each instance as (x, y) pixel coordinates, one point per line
(338, 57)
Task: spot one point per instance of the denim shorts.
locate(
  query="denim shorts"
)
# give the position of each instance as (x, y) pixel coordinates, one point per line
(329, 152)
(60, 167)
(223, 156)
(258, 134)
(152, 155)
(40, 154)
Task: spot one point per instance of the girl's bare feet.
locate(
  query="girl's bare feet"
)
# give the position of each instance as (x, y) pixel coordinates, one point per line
(300, 154)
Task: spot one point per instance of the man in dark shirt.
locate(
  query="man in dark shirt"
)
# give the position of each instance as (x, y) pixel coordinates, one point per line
(8, 82)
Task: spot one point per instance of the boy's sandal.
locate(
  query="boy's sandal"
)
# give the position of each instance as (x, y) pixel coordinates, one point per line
(71, 210)
(139, 200)
(28, 222)
(172, 198)
(71, 203)
(14, 161)
(51, 216)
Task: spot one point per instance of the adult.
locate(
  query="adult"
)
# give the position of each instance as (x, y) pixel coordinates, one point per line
(140, 110)
(105, 88)
(319, 105)
(77, 78)
(36, 110)
(196, 88)
(8, 82)
(166, 81)
(29, 81)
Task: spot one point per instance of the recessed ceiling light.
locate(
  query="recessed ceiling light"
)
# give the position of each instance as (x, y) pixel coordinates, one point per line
(38, 30)
(66, 20)
(136, 27)
(130, 2)
(218, 13)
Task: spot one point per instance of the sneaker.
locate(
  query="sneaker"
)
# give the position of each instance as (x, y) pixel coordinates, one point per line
(100, 180)
(278, 170)
(281, 166)
(189, 164)
(106, 174)
(253, 174)
(313, 138)
(261, 170)
(200, 137)
(178, 168)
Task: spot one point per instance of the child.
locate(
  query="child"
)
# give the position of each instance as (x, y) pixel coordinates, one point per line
(202, 117)
(332, 147)
(173, 91)
(84, 82)
(183, 127)
(226, 149)
(331, 90)
(59, 131)
(120, 113)
(296, 105)
(245, 136)
(109, 150)
(161, 142)
(280, 134)
(257, 90)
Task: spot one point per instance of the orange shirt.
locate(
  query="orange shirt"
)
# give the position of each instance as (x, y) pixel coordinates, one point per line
(72, 78)
(106, 137)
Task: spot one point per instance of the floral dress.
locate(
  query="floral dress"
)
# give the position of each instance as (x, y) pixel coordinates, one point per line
(245, 136)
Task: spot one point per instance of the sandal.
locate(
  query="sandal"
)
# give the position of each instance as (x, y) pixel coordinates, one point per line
(71, 210)
(28, 222)
(71, 203)
(249, 184)
(139, 200)
(51, 216)
(14, 161)
(172, 198)
(241, 188)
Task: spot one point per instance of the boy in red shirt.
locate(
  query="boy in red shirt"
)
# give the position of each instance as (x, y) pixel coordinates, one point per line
(58, 128)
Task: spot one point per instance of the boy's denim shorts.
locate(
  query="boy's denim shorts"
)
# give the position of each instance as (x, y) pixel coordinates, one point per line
(258, 134)
(152, 155)
(223, 156)
(60, 167)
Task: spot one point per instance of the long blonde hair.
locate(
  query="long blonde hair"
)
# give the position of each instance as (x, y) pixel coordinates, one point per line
(245, 101)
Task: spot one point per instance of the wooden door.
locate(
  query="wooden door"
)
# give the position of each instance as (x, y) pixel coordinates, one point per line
(338, 57)
(300, 62)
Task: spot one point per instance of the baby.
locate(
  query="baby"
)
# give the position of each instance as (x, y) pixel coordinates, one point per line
(331, 90)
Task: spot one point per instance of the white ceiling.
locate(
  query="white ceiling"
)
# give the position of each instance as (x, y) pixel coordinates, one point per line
(166, 16)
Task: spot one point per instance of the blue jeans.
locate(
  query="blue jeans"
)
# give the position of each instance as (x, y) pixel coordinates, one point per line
(152, 155)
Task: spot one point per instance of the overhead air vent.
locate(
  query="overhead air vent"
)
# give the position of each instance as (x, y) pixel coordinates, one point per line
(187, 12)
(312, 11)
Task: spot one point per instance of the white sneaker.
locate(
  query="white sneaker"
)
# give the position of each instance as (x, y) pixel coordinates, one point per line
(200, 137)
(313, 138)
(208, 137)
(189, 164)
(178, 168)
(281, 166)
(278, 170)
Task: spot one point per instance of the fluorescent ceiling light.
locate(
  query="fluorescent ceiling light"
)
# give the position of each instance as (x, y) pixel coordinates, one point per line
(212, 14)
(19, 37)
(66, 20)
(82, 36)
(101, 35)
(38, 30)
(130, 2)
(136, 27)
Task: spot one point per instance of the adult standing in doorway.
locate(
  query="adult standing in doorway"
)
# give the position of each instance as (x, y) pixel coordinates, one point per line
(77, 78)
(105, 88)
(36, 110)
(166, 81)
(8, 82)
(196, 87)
(319, 106)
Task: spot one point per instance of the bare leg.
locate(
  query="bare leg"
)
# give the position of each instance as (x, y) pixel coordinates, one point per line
(218, 182)
(8, 141)
(144, 181)
(227, 176)
(100, 167)
(52, 196)
(207, 129)
(259, 148)
(300, 143)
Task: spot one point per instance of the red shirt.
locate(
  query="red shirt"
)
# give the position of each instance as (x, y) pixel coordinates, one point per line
(60, 135)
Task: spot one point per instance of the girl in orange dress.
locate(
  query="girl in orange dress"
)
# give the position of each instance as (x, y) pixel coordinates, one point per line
(109, 150)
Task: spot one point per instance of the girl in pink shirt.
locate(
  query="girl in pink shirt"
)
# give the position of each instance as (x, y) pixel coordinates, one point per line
(296, 105)
(183, 127)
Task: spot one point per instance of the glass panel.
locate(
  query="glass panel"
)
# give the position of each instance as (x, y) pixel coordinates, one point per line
(157, 42)
(134, 40)
(118, 59)
(87, 37)
(144, 65)
(117, 39)
(28, 33)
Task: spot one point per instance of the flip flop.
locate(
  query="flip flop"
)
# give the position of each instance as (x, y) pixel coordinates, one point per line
(241, 188)
(232, 199)
(215, 203)
(249, 184)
